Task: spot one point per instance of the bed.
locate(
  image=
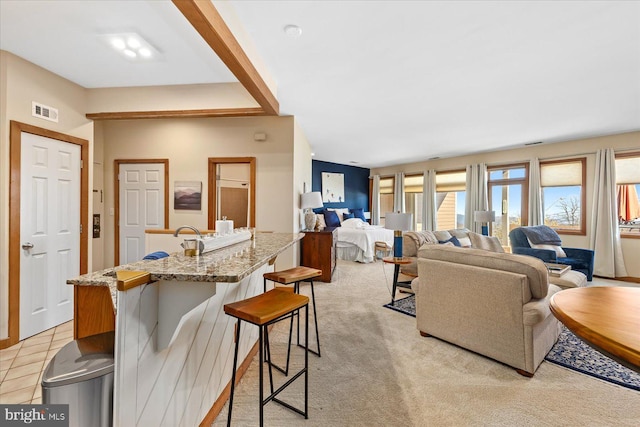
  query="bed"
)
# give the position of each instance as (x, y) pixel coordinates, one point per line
(356, 240)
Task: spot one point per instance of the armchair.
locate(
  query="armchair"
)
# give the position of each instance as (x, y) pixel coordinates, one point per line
(579, 259)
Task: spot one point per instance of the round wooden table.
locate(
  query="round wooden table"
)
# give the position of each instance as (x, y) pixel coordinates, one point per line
(606, 318)
(396, 272)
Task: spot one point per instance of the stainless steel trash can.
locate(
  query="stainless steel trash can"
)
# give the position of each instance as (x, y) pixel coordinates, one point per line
(81, 375)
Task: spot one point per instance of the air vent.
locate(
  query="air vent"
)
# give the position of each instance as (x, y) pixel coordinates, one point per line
(44, 112)
(533, 143)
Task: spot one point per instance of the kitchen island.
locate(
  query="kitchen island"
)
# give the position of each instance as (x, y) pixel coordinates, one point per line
(174, 344)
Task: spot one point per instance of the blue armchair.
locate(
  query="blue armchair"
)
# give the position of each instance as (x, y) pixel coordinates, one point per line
(579, 259)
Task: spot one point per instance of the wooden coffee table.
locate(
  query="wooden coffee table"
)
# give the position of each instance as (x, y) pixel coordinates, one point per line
(606, 318)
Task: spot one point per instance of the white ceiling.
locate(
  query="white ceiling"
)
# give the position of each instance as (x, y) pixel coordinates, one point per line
(379, 82)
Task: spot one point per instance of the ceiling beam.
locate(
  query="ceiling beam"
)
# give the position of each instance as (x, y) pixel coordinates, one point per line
(204, 17)
(173, 114)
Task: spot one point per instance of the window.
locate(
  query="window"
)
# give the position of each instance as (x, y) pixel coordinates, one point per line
(627, 191)
(413, 199)
(450, 199)
(386, 197)
(508, 188)
(563, 195)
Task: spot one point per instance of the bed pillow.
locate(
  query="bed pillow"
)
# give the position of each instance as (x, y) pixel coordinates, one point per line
(331, 218)
(347, 216)
(358, 213)
(339, 211)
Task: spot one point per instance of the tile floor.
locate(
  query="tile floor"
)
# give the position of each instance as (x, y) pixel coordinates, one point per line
(22, 365)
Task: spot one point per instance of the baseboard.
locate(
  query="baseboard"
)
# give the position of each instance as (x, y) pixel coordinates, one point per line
(621, 279)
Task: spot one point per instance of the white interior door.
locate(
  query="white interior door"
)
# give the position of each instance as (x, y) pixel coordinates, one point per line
(49, 231)
(141, 206)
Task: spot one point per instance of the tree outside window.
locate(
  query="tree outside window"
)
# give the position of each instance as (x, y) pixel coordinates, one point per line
(563, 196)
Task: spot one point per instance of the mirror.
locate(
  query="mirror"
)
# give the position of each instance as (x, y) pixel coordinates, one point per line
(232, 183)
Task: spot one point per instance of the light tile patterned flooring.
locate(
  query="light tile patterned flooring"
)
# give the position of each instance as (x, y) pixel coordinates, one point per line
(22, 365)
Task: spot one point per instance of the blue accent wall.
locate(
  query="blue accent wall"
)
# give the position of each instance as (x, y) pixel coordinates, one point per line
(356, 184)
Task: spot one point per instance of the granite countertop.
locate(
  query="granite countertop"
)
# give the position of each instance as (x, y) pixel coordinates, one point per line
(230, 264)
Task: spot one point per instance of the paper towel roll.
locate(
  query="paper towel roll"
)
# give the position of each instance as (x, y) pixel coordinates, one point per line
(224, 226)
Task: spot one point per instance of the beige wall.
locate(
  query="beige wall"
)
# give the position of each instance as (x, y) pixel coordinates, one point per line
(167, 98)
(188, 143)
(583, 147)
(22, 83)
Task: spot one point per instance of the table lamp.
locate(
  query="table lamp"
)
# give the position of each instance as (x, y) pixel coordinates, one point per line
(398, 222)
(309, 201)
(484, 217)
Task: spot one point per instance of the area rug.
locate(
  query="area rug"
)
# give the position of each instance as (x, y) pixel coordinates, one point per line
(569, 352)
(405, 305)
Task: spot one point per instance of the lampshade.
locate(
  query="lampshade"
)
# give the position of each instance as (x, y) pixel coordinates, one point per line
(311, 200)
(484, 216)
(398, 221)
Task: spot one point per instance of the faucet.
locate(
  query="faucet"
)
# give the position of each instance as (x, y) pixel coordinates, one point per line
(195, 230)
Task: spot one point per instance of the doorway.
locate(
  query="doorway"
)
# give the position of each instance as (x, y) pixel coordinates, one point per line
(141, 189)
(48, 231)
(232, 190)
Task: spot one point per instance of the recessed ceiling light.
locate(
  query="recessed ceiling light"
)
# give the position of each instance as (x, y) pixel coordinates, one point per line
(313, 154)
(292, 31)
(131, 45)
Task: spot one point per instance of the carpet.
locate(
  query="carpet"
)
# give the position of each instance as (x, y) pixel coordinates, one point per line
(569, 352)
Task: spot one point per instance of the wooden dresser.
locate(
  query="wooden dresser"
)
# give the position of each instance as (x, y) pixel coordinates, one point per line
(318, 250)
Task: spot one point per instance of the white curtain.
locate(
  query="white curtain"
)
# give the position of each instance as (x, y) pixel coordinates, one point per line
(476, 195)
(429, 200)
(398, 192)
(605, 233)
(536, 216)
(375, 201)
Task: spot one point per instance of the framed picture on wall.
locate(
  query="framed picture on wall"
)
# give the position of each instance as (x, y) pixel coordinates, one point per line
(332, 187)
(187, 195)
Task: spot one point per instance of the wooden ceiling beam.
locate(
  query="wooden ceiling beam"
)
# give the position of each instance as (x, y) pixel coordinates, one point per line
(173, 114)
(204, 17)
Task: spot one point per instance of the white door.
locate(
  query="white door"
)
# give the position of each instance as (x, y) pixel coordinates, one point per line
(141, 206)
(49, 231)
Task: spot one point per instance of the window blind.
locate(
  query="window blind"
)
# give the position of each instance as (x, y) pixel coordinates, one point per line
(628, 170)
(451, 181)
(561, 174)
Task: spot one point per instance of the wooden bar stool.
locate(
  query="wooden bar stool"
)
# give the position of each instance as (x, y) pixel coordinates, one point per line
(263, 310)
(296, 275)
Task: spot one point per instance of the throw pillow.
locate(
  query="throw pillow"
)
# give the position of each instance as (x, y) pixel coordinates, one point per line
(347, 216)
(557, 249)
(331, 219)
(453, 240)
(358, 213)
(487, 243)
(320, 221)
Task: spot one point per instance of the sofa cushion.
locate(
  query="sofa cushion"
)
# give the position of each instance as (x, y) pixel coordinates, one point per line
(442, 235)
(533, 268)
(556, 248)
(413, 240)
(487, 243)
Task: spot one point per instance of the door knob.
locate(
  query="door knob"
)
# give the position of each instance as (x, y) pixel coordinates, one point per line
(27, 245)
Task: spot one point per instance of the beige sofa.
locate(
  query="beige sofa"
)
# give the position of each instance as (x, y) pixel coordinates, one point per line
(495, 304)
(413, 240)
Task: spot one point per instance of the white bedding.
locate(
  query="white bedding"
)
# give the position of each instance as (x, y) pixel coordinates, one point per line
(355, 232)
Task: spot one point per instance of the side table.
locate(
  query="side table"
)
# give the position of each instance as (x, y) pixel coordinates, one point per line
(396, 272)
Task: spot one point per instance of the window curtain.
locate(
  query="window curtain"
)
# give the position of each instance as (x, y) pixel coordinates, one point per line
(398, 193)
(476, 195)
(375, 201)
(429, 210)
(605, 233)
(536, 216)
